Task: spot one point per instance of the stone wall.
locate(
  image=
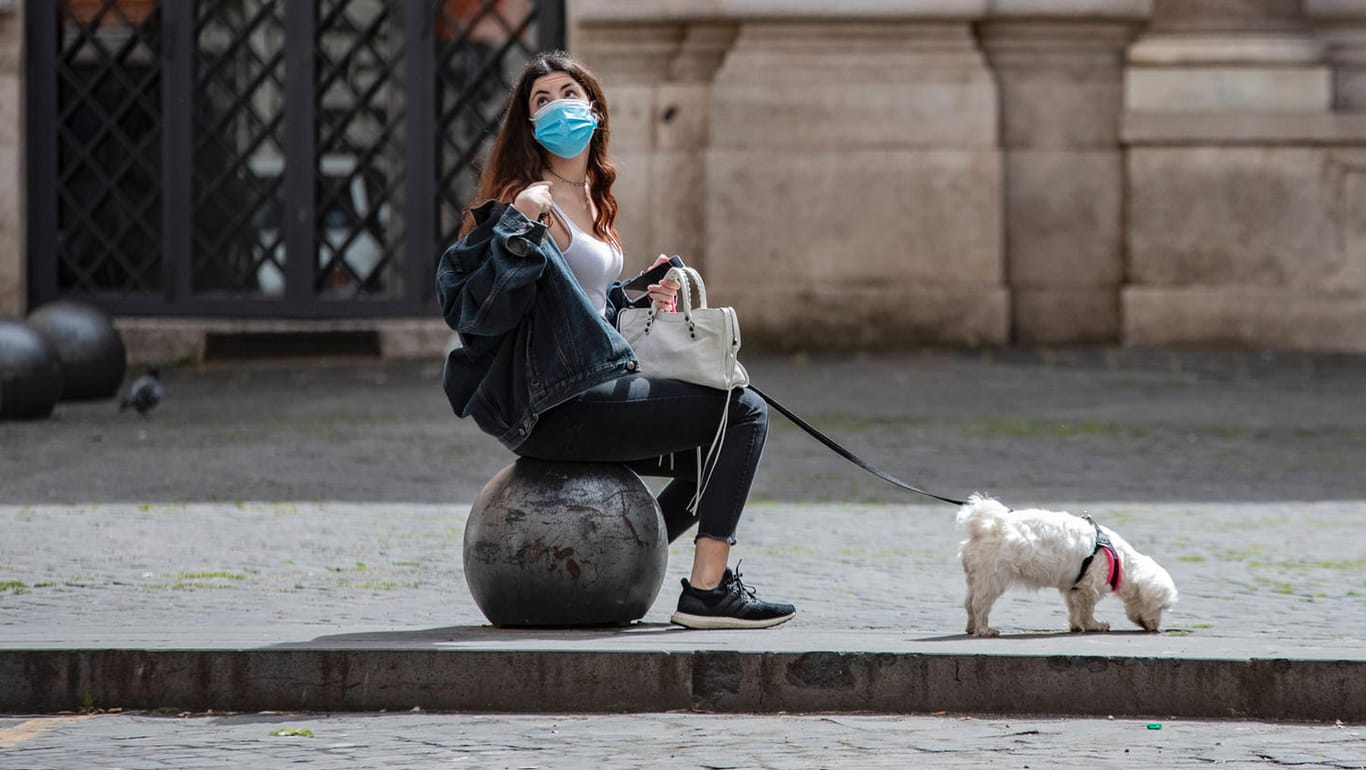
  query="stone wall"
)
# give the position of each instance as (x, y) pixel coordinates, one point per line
(889, 173)
(1061, 83)
(1246, 177)
(837, 176)
(877, 173)
(12, 182)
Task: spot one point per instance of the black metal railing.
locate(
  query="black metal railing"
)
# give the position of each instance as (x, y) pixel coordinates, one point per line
(181, 152)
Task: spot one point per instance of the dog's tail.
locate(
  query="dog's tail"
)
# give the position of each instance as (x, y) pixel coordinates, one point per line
(982, 517)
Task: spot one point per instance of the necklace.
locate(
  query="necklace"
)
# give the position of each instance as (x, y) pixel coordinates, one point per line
(551, 172)
(587, 205)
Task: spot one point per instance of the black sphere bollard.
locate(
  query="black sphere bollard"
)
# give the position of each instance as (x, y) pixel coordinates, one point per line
(88, 346)
(30, 374)
(565, 544)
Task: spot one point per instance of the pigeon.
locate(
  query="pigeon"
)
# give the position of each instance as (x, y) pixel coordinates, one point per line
(145, 392)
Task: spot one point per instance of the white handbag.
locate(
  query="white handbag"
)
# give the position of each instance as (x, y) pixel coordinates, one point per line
(699, 344)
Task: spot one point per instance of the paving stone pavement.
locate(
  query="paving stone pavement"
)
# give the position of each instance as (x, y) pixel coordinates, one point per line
(1038, 426)
(271, 502)
(670, 740)
(1238, 471)
(111, 572)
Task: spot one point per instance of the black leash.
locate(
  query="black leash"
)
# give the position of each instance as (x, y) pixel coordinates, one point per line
(846, 454)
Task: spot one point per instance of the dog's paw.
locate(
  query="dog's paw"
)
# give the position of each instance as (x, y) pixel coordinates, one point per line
(1092, 626)
(983, 632)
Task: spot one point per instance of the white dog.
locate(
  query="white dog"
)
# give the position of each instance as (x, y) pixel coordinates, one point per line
(1048, 549)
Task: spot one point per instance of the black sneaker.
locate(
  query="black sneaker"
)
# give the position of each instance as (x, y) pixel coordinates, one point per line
(730, 605)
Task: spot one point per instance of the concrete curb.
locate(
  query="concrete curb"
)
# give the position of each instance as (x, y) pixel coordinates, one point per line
(365, 678)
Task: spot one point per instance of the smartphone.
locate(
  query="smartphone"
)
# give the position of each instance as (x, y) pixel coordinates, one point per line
(636, 287)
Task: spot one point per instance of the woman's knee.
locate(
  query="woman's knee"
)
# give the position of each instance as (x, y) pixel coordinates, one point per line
(750, 407)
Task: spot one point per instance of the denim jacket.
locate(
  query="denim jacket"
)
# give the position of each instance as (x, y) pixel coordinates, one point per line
(530, 338)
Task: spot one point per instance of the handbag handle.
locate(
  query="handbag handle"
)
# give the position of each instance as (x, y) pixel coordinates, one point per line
(686, 277)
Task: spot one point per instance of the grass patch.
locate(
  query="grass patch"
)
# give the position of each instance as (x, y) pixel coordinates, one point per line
(15, 586)
(899, 553)
(1191, 559)
(1014, 428)
(788, 550)
(1277, 586)
(210, 576)
(843, 423)
(186, 585)
(1350, 565)
(386, 585)
(1245, 555)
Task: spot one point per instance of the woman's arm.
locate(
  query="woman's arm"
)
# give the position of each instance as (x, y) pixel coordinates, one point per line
(486, 281)
(663, 293)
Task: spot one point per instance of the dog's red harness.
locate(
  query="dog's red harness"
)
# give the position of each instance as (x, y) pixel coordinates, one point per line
(1102, 544)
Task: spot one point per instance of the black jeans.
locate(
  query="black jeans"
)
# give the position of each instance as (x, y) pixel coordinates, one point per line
(654, 427)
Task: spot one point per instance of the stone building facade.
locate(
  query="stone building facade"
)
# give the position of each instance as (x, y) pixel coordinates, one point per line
(891, 173)
(877, 172)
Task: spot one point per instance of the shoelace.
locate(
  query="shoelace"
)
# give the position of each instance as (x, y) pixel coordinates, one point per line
(739, 584)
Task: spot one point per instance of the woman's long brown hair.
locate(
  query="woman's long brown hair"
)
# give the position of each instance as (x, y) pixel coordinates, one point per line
(517, 160)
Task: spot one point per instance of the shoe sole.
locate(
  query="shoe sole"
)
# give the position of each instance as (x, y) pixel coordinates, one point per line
(708, 622)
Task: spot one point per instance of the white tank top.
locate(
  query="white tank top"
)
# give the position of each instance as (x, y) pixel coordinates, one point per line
(594, 262)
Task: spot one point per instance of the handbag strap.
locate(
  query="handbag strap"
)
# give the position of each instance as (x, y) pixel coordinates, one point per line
(846, 454)
(688, 277)
(701, 286)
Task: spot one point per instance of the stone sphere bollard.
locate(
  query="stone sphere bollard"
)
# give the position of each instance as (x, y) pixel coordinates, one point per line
(30, 374)
(565, 544)
(88, 346)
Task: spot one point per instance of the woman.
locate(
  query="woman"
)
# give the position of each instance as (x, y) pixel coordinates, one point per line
(531, 288)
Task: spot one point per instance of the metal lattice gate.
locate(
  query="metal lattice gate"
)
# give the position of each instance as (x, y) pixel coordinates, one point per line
(181, 151)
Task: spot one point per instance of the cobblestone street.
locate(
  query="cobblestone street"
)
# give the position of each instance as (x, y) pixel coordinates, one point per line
(720, 742)
(296, 504)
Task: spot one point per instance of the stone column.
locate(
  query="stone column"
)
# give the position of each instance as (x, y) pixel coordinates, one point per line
(854, 181)
(1228, 55)
(1341, 25)
(13, 286)
(1059, 67)
(1245, 187)
(632, 61)
(657, 76)
(678, 199)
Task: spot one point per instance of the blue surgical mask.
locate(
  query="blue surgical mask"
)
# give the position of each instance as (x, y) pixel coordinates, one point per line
(565, 126)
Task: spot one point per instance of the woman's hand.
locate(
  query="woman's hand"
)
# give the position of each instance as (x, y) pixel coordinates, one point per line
(534, 201)
(663, 294)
